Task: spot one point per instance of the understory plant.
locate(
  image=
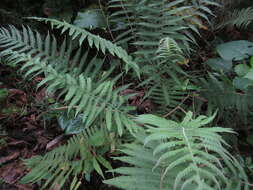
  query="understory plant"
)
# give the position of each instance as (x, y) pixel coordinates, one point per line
(228, 85)
(155, 36)
(176, 155)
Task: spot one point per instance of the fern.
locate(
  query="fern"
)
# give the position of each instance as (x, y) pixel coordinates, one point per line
(169, 49)
(78, 158)
(158, 33)
(239, 18)
(166, 82)
(93, 41)
(178, 156)
(86, 92)
(168, 154)
(150, 21)
(234, 107)
(82, 89)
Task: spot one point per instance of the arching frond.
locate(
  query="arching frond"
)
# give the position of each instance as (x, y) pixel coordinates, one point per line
(82, 154)
(177, 156)
(84, 91)
(93, 41)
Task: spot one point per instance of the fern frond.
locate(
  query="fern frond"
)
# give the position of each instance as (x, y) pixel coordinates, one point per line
(140, 176)
(182, 155)
(92, 100)
(233, 105)
(33, 44)
(159, 33)
(83, 90)
(99, 43)
(239, 18)
(149, 22)
(169, 49)
(167, 85)
(82, 154)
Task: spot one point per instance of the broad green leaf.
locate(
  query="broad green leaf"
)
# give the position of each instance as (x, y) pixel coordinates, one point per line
(241, 83)
(71, 125)
(235, 50)
(251, 62)
(90, 19)
(242, 69)
(249, 75)
(219, 64)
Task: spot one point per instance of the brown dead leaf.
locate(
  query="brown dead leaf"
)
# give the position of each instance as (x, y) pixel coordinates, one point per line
(11, 173)
(54, 142)
(21, 94)
(25, 153)
(24, 186)
(17, 143)
(28, 127)
(40, 96)
(147, 106)
(33, 118)
(137, 100)
(37, 80)
(13, 92)
(8, 158)
(41, 143)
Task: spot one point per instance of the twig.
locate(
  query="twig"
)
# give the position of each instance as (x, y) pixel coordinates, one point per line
(107, 22)
(63, 108)
(178, 107)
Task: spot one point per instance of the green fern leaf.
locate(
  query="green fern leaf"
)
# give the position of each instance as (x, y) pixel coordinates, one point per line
(93, 40)
(179, 155)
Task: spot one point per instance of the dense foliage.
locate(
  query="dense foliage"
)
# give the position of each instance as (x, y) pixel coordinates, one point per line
(122, 74)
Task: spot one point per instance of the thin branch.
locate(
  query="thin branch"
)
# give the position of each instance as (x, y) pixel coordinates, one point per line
(178, 107)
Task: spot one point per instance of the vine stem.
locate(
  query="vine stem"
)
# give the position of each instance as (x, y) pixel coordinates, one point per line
(178, 107)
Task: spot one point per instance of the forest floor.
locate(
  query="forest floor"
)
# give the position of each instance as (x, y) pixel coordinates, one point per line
(27, 132)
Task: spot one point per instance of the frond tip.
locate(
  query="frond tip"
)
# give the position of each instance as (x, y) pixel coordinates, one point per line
(96, 41)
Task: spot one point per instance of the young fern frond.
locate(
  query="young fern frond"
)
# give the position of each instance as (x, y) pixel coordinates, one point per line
(82, 154)
(96, 41)
(182, 156)
(165, 83)
(169, 49)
